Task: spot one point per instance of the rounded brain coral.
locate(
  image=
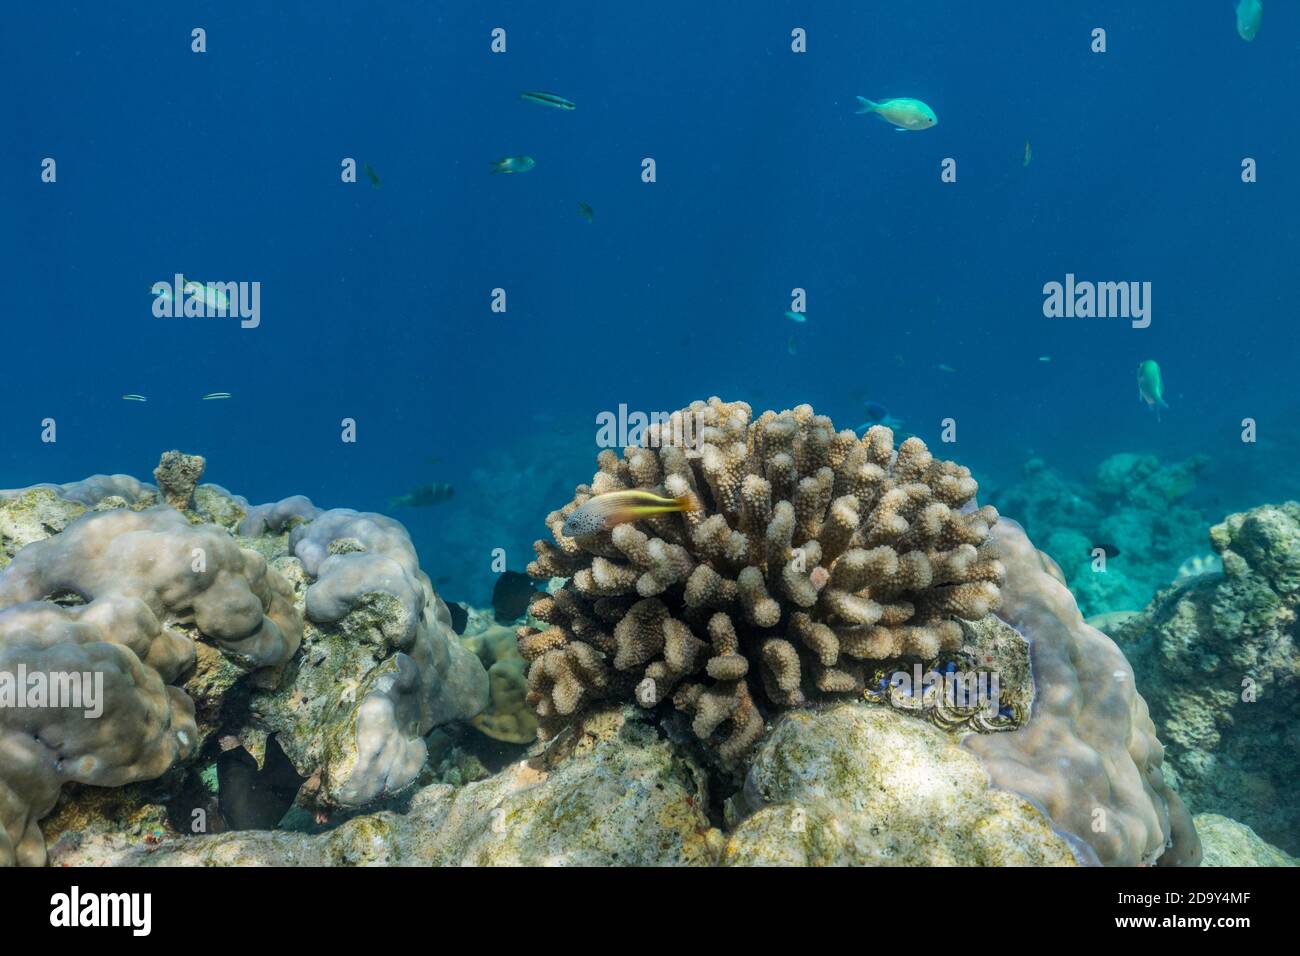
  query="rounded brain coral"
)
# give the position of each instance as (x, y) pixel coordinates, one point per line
(812, 552)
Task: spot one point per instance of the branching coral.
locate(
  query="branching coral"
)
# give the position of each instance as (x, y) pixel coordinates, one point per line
(811, 552)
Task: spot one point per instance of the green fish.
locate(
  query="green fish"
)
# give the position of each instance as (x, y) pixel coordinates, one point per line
(796, 316)
(904, 113)
(1249, 13)
(547, 99)
(1151, 388)
(513, 164)
(372, 175)
(586, 212)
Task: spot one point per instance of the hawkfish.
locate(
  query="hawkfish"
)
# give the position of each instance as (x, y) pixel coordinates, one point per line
(619, 507)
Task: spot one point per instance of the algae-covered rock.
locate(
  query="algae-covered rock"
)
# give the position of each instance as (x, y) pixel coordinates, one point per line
(1217, 659)
(32, 515)
(620, 796)
(862, 786)
(1229, 843)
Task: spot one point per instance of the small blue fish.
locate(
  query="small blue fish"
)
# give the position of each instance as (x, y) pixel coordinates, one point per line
(796, 316)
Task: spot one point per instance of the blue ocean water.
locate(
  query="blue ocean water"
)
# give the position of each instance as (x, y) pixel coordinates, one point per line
(924, 295)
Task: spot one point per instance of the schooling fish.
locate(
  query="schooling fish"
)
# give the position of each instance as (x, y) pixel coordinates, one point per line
(547, 99)
(215, 396)
(903, 112)
(796, 316)
(134, 398)
(586, 212)
(1249, 13)
(372, 175)
(619, 507)
(1151, 387)
(513, 164)
(1029, 153)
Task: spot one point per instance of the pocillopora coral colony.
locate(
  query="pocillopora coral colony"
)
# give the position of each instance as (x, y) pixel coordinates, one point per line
(810, 552)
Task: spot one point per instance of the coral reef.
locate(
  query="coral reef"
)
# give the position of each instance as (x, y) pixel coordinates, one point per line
(127, 595)
(329, 637)
(811, 552)
(381, 665)
(1217, 657)
(840, 788)
(508, 716)
(620, 796)
(1088, 756)
(1136, 505)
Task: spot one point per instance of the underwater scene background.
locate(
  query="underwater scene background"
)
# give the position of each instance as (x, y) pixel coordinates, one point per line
(786, 250)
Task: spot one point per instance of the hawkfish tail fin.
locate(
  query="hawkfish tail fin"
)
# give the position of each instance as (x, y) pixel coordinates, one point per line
(687, 502)
(866, 106)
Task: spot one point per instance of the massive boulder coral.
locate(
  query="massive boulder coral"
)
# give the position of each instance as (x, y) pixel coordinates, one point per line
(196, 631)
(128, 596)
(1217, 655)
(381, 665)
(808, 552)
(187, 574)
(1088, 756)
(123, 723)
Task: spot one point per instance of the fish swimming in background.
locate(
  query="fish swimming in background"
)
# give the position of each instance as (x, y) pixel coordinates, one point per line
(213, 298)
(903, 112)
(423, 496)
(547, 99)
(134, 398)
(878, 414)
(791, 346)
(215, 396)
(1044, 358)
(513, 164)
(1029, 153)
(1151, 388)
(586, 212)
(1249, 14)
(796, 316)
(511, 596)
(619, 507)
(945, 368)
(372, 175)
